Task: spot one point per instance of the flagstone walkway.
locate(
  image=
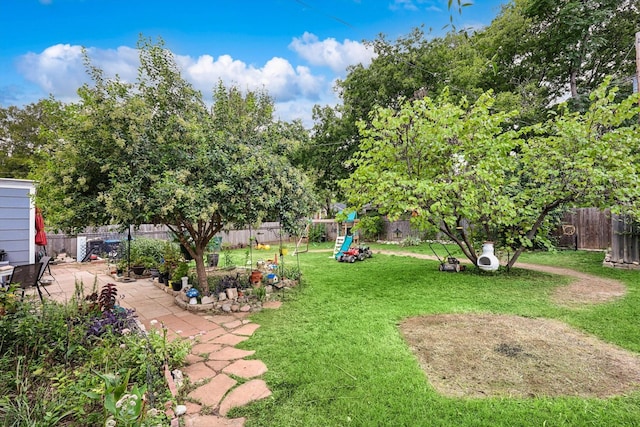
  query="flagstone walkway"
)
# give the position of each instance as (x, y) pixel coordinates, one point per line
(215, 367)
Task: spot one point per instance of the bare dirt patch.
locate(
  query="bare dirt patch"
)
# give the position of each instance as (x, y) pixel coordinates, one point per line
(584, 290)
(484, 355)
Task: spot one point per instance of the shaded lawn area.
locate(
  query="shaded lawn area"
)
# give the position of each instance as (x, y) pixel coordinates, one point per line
(336, 356)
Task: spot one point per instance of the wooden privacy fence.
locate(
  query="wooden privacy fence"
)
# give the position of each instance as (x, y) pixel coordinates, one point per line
(625, 241)
(585, 228)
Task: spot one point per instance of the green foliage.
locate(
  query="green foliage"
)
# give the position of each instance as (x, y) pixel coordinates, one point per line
(53, 360)
(8, 298)
(371, 226)
(171, 256)
(152, 152)
(288, 272)
(227, 256)
(462, 170)
(261, 293)
(125, 407)
(145, 251)
(317, 233)
(23, 136)
(180, 272)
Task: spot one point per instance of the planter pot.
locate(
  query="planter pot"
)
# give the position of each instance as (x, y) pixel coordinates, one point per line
(256, 277)
(138, 270)
(165, 278)
(212, 260)
(176, 285)
(154, 272)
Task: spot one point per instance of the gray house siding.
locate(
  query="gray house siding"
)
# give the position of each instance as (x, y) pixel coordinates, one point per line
(17, 220)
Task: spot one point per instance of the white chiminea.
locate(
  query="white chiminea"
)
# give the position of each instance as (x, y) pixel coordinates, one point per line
(487, 261)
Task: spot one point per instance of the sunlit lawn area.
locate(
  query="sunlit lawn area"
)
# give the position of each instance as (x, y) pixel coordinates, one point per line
(336, 357)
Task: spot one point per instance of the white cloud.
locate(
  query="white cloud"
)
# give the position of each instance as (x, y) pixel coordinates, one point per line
(281, 80)
(329, 52)
(60, 71)
(415, 5)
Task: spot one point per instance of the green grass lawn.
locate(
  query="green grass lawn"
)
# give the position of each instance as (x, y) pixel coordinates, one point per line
(336, 357)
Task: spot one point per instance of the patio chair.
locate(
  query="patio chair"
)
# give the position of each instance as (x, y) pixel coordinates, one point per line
(27, 276)
(44, 265)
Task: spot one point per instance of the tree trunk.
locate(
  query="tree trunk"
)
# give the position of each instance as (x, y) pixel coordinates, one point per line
(573, 83)
(201, 272)
(531, 234)
(200, 235)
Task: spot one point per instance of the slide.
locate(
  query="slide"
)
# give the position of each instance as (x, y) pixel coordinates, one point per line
(345, 246)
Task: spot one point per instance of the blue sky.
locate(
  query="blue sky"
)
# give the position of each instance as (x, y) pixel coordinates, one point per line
(295, 49)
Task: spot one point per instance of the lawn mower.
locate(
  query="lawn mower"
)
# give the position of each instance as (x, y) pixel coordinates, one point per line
(364, 252)
(355, 254)
(451, 264)
(350, 255)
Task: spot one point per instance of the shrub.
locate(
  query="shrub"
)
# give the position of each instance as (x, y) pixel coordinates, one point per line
(145, 251)
(54, 356)
(317, 233)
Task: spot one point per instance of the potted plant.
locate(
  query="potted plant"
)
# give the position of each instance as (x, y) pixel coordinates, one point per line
(180, 273)
(141, 264)
(171, 257)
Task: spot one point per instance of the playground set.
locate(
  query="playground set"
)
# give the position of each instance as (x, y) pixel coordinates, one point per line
(343, 250)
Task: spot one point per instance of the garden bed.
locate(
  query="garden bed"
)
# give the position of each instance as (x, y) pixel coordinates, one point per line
(241, 298)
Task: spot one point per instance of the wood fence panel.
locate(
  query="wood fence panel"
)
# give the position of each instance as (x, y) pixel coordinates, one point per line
(625, 245)
(268, 232)
(585, 228)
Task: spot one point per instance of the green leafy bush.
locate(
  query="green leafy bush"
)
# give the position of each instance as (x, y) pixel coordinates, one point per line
(317, 233)
(55, 357)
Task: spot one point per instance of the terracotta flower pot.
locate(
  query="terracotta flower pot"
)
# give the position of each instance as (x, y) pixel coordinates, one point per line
(255, 277)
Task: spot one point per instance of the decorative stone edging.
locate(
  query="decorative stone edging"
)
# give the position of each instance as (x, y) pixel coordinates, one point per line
(230, 305)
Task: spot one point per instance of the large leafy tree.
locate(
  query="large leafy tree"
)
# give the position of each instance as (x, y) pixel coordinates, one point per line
(463, 170)
(152, 152)
(533, 54)
(23, 134)
(579, 42)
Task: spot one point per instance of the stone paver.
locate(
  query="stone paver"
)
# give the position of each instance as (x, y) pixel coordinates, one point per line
(212, 333)
(246, 368)
(211, 393)
(272, 304)
(217, 365)
(232, 325)
(198, 372)
(229, 339)
(244, 394)
(205, 348)
(192, 408)
(221, 319)
(230, 353)
(192, 358)
(247, 330)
